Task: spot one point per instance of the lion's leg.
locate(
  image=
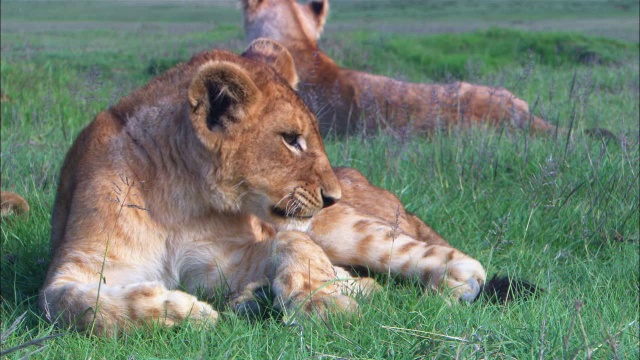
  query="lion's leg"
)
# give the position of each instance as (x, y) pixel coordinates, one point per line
(255, 296)
(477, 103)
(364, 241)
(306, 281)
(123, 297)
(301, 277)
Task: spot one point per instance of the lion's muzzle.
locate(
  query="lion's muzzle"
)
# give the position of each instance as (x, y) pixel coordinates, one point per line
(303, 204)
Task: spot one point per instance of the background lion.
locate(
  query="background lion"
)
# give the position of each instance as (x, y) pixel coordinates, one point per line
(346, 100)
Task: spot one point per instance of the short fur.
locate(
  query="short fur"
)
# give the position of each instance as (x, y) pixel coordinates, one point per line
(12, 204)
(214, 176)
(348, 100)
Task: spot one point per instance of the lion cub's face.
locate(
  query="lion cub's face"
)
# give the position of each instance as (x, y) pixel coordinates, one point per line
(285, 21)
(271, 160)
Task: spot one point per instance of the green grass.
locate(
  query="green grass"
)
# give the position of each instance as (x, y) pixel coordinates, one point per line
(122, 11)
(489, 51)
(455, 10)
(563, 215)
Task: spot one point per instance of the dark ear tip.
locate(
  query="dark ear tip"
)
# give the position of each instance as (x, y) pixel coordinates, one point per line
(504, 289)
(248, 4)
(317, 7)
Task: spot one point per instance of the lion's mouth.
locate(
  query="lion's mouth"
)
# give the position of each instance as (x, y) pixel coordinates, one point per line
(289, 214)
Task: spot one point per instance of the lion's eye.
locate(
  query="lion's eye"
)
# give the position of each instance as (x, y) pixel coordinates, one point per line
(290, 138)
(293, 140)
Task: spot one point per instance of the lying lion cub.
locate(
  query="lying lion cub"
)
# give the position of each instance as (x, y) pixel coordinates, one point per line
(214, 176)
(347, 101)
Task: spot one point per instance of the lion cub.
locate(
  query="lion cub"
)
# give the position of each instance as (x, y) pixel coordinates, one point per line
(214, 176)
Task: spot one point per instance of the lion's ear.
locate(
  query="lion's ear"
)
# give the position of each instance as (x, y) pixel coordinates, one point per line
(252, 5)
(221, 94)
(319, 10)
(275, 55)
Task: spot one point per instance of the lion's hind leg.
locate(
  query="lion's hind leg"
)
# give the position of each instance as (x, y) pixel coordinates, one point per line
(355, 286)
(107, 309)
(479, 103)
(377, 245)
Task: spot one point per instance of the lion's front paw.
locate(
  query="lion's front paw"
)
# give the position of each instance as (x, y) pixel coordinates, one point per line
(297, 294)
(464, 277)
(355, 286)
(203, 313)
(254, 301)
(179, 306)
(305, 281)
(320, 303)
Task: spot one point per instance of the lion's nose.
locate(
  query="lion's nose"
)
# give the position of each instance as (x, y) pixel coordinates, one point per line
(328, 199)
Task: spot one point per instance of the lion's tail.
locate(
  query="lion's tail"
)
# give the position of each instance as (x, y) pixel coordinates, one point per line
(539, 125)
(12, 204)
(504, 289)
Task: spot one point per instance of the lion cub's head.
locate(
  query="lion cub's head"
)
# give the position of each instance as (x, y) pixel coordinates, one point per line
(285, 21)
(270, 156)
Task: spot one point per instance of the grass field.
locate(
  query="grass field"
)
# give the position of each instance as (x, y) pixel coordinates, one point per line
(563, 214)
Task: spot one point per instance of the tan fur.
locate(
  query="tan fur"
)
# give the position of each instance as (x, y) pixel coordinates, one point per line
(180, 187)
(370, 228)
(195, 183)
(277, 56)
(347, 101)
(12, 204)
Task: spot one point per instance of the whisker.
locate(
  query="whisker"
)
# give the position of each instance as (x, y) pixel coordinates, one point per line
(289, 195)
(289, 209)
(238, 184)
(290, 190)
(320, 112)
(237, 200)
(294, 207)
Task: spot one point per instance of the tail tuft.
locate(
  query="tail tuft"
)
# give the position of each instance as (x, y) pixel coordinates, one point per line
(504, 289)
(12, 204)
(602, 134)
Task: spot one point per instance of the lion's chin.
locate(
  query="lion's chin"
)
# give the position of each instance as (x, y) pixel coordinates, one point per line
(294, 224)
(283, 222)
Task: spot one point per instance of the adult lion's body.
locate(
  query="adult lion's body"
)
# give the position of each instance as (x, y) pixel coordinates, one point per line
(348, 100)
(200, 181)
